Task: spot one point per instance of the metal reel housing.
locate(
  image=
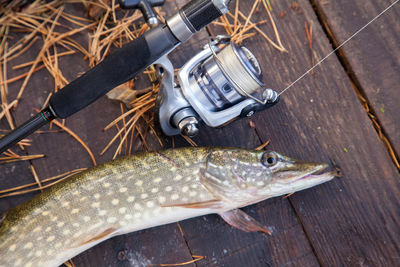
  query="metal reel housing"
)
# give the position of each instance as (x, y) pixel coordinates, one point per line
(215, 86)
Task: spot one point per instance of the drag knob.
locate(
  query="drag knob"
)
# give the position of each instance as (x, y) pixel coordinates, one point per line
(189, 126)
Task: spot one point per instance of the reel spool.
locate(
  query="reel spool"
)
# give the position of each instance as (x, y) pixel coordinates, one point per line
(215, 86)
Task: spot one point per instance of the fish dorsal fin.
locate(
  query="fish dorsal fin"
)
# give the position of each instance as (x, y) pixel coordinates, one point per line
(101, 236)
(210, 204)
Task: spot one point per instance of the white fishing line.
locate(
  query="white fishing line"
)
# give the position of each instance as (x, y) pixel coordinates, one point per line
(342, 44)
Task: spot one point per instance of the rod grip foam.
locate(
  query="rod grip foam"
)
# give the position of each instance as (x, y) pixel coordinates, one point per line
(119, 67)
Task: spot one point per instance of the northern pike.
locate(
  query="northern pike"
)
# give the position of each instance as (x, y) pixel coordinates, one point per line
(147, 190)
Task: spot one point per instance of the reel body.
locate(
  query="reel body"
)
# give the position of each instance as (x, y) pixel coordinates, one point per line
(215, 86)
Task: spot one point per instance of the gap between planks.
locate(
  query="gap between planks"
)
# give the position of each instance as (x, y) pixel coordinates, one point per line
(359, 90)
(301, 223)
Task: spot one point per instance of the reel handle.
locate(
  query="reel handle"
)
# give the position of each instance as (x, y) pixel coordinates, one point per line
(145, 6)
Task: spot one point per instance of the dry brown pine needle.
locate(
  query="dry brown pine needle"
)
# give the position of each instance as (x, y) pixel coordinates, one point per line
(8, 158)
(262, 146)
(242, 24)
(20, 190)
(195, 258)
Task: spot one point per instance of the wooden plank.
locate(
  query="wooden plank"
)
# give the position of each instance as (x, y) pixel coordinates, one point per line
(298, 127)
(349, 221)
(11, 175)
(374, 64)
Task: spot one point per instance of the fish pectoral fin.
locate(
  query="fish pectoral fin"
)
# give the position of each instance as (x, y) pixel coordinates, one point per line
(210, 204)
(240, 220)
(101, 236)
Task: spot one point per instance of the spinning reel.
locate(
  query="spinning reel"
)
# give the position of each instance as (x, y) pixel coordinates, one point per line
(219, 84)
(216, 86)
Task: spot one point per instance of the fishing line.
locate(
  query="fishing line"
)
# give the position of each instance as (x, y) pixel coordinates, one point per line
(342, 44)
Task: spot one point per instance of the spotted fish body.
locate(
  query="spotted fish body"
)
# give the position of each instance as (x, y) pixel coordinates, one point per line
(143, 191)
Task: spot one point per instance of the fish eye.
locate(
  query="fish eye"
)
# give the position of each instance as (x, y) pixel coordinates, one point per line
(269, 159)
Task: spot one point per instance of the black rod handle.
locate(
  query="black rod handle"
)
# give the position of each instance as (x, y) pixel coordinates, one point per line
(26, 129)
(121, 66)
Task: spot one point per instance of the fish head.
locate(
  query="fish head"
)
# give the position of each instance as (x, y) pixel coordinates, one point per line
(245, 177)
(286, 175)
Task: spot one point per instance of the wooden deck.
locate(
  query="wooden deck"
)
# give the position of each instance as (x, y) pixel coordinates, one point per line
(350, 221)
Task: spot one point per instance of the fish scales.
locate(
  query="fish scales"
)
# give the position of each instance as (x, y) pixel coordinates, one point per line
(127, 195)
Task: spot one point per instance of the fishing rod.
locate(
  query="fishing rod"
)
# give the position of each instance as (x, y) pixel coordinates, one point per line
(217, 85)
(123, 65)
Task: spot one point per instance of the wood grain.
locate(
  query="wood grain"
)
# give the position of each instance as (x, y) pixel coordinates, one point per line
(349, 221)
(373, 63)
(11, 175)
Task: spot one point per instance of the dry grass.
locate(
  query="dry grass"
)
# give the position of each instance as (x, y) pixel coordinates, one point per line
(195, 258)
(9, 157)
(44, 183)
(53, 27)
(133, 121)
(240, 26)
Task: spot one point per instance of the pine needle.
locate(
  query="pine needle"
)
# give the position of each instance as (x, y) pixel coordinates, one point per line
(69, 263)
(189, 140)
(309, 38)
(74, 135)
(262, 146)
(43, 181)
(52, 58)
(238, 30)
(36, 178)
(17, 190)
(6, 108)
(195, 258)
(14, 158)
(44, 48)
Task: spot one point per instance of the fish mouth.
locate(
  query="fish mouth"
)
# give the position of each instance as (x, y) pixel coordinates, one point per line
(316, 175)
(294, 175)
